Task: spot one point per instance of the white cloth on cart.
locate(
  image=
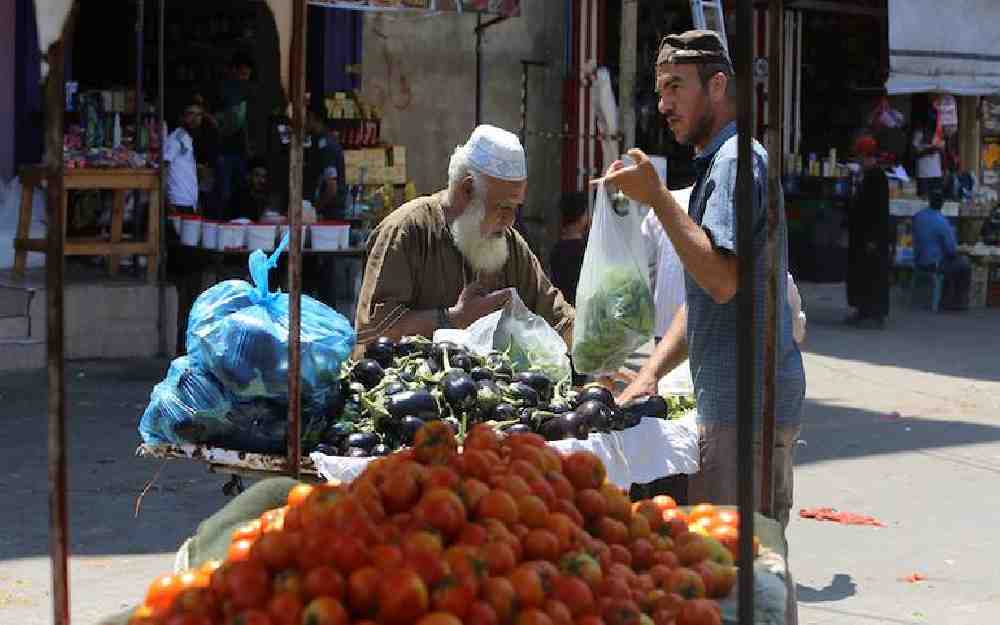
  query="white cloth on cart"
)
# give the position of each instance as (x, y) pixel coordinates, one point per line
(653, 449)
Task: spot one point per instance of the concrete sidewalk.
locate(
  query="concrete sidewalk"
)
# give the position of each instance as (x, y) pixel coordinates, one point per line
(902, 424)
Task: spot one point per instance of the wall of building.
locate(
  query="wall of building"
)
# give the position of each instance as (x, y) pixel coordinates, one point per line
(422, 71)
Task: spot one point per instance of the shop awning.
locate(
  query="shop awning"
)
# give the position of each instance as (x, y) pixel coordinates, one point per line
(944, 47)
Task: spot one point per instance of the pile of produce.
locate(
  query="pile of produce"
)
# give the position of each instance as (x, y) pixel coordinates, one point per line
(398, 387)
(506, 531)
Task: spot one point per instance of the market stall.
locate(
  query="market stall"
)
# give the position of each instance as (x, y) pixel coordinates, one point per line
(346, 511)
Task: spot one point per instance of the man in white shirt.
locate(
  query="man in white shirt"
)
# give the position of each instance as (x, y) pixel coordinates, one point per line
(666, 275)
(182, 170)
(929, 170)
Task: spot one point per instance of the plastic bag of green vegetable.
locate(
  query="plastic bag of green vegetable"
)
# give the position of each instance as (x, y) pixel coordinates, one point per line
(614, 304)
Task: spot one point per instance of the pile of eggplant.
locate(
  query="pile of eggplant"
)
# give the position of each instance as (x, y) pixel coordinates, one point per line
(398, 386)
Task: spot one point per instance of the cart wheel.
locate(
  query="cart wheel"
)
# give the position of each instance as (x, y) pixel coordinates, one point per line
(233, 487)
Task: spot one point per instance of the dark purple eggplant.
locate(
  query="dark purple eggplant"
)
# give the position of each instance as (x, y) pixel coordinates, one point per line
(480, 374)
(328, 450)
(597, 415)
(381, 450)
(558, 407)
(393, 388)
(460, 391)
(411, 345)
(518, 428)
(338, 432)
(538, 381)
(575, 425)
(461, 361)
(648, 406)
(382, 350)
(523, 393)
(363, 440)
(527, 417)
(453, 423)
(553, 429)
(627, 420)
(368, 373)
(596, 393)
(357, 452)
(418, 403)
(504, 412)
(408, 427)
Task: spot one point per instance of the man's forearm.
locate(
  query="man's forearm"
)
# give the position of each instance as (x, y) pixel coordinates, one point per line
(715, 272)
(671, 350)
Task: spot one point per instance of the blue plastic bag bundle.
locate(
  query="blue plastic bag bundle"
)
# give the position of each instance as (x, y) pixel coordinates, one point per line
(239, 332)
(189, 406)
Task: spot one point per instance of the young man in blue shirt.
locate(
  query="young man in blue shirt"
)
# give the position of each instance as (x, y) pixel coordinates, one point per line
(936, 249)
(694, 78)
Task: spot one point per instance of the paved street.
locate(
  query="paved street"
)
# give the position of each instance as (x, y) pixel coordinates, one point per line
(902, 424)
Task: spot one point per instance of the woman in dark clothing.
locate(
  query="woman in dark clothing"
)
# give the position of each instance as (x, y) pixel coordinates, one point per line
(567, 255)
(868, 253)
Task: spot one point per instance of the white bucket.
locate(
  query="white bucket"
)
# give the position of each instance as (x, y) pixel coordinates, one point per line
(190, 230)
(232, 237)
(175, 221)
(261, 236)
(329, 235)
(210, 234)
(283, 228)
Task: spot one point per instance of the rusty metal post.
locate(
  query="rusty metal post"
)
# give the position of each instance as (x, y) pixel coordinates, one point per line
(297, 87)
(775, 165)
(747, 330)
(55, 266)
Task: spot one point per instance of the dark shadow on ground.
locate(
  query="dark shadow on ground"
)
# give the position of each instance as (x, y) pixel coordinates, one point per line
(836, 432)
(840, 587)
(105, 401)
(960, 344)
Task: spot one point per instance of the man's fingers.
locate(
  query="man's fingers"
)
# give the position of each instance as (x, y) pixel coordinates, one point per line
(638, 155)
(499, 298)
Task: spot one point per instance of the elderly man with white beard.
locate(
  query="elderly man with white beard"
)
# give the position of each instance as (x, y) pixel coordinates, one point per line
(445, 260)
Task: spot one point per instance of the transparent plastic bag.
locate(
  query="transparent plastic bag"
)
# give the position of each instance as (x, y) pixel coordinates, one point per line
(528, 339)
(614, 304)
(188, 406)
(239, 332)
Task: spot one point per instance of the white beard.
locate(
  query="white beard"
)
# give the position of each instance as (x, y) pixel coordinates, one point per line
(485, 254)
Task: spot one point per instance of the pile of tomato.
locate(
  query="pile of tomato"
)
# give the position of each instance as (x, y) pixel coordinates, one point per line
(502, 532)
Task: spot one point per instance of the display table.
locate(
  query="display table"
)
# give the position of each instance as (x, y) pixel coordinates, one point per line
(654, 449)
(120, 181)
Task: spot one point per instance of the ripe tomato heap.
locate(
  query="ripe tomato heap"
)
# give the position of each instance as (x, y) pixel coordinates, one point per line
(506, 532)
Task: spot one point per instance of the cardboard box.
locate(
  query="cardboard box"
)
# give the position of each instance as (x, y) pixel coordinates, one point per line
(354, 158)
(398, 155)
(396, 174)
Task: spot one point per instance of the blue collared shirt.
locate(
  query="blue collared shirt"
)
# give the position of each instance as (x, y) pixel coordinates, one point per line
(933, 238)
(713, 328)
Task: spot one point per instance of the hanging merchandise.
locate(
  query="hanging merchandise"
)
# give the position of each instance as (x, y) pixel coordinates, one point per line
(884, 116)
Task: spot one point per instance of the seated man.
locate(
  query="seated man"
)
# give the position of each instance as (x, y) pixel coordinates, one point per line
(448, 259)
(935, 249)
(255, 196)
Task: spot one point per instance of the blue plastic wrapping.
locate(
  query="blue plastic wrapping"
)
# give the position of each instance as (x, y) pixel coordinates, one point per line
(239, 332)
(188, 406)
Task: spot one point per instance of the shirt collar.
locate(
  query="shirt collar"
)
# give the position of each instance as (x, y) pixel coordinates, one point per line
(702, 160)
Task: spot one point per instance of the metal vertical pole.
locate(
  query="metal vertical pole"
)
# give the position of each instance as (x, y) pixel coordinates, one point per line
(775, 165)
(746, 338)
(297, 87)
(479, 68)
(161, 268)
(55, 266)
(140, 46)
